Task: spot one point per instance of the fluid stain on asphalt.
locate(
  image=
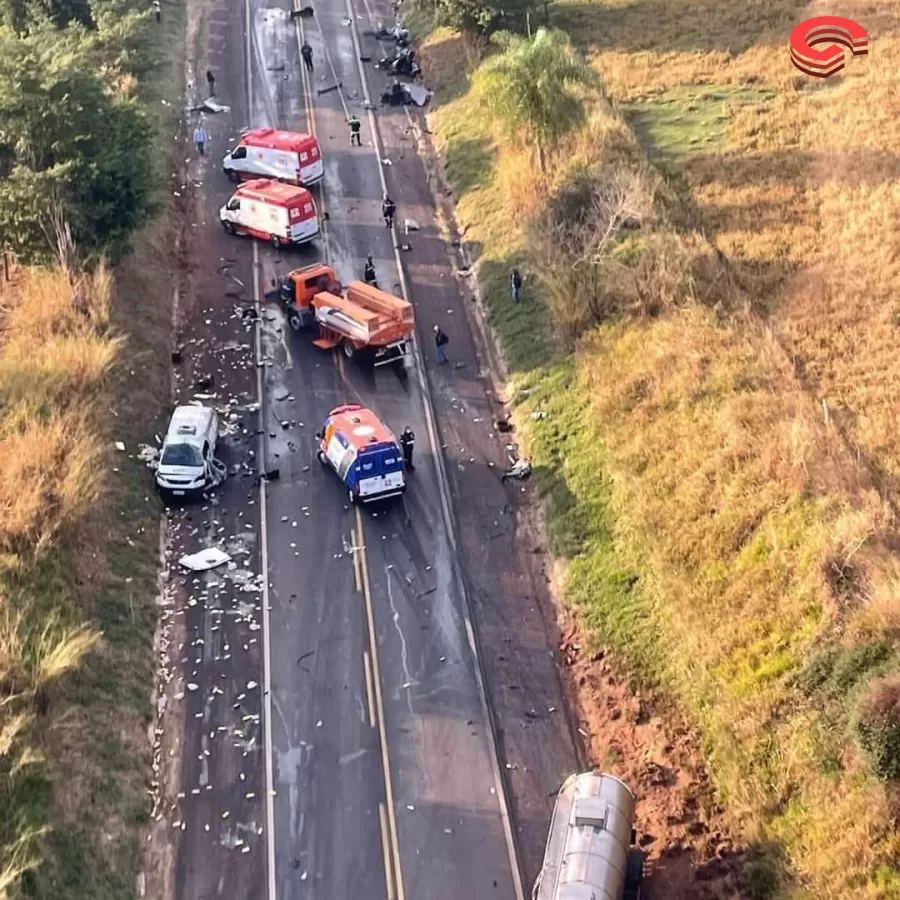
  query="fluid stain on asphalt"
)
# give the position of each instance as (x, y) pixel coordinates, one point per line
(290, 764)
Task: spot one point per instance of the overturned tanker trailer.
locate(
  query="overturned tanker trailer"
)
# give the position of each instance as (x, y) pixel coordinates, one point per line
(590, 852)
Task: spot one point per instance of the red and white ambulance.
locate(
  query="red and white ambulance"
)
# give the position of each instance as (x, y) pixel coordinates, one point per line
(281, 213)
(290, 156)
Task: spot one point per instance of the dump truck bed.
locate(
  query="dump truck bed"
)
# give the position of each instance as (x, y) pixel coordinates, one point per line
(357, 322)
(376, 300)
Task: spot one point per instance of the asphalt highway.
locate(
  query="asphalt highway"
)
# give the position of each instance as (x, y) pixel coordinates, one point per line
(383, 778)
(337, 735)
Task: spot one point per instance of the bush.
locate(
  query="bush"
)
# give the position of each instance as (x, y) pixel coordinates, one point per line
(878, 727)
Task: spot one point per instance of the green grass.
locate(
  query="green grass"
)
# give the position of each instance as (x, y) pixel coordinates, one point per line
(692, 494)
(679, 122)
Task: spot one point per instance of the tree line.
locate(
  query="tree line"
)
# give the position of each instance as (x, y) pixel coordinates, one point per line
(76, 140)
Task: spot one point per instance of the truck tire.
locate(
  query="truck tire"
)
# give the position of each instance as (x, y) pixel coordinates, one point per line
(634, 870)
(233, 175)
(276, 241)
(353, 501)
(295, 321)
(229, 227)
(320, 456)
(348, 348)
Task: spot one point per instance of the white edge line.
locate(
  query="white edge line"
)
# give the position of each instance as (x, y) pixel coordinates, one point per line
(444, 488)
(268, 747)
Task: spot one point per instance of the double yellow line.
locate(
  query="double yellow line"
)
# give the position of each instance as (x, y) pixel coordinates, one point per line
(393, 874)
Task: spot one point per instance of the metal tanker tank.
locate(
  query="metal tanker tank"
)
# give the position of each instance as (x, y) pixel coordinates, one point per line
(590, 853)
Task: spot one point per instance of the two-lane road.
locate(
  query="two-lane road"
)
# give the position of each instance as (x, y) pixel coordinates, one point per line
(384, 781)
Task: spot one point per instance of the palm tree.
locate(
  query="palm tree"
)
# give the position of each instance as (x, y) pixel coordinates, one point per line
(531, 85)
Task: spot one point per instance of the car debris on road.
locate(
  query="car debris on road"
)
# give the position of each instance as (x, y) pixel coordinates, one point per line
(204, 560)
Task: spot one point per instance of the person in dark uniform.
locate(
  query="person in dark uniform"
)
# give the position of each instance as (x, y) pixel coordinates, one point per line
(388, 210)
(306, 53)
(355, 126)
(369, 272)
(407, 442)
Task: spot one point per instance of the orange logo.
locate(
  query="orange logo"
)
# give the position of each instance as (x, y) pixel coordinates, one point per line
(826, 29)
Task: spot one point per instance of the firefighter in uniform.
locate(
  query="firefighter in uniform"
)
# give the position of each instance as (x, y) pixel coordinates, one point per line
(355, 125)
(369, 272)
(407, 442)
(388, 210)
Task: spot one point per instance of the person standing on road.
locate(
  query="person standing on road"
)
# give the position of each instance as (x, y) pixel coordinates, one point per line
(388, 209)
(440, 341)
(515, 284)
(200, 138)
(306, 53)
(355, 125)
(157, 11)
(407, 442)
(211, 81)
(369, 272)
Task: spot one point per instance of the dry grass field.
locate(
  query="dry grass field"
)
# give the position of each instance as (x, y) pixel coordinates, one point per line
(83, 366)
(718, 456)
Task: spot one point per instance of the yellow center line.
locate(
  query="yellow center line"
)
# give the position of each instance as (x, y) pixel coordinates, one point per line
(360, 561)
(379, 708)
(370, 697)
(384, 849)
(356, 543)
(311, 123)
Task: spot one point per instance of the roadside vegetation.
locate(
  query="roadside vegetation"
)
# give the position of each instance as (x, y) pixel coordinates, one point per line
(82, 99)
(711, 246)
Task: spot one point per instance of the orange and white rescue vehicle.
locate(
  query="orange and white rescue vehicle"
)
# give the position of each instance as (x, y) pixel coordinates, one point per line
(364, 453)
(291, 156)
(271, 211)
(360, 319)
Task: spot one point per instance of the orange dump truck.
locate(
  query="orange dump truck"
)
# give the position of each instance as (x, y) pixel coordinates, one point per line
(360, 319)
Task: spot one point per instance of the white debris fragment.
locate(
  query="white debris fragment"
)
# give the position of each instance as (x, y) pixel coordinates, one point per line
(120, 446)
(204, 559)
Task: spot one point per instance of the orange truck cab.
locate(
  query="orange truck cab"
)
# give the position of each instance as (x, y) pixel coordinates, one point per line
(359, 318)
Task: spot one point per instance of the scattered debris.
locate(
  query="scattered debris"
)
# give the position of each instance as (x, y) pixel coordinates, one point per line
(212, 106)
(204, 560)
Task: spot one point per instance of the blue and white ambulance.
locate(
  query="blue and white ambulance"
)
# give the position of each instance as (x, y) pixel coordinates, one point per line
(364, 453)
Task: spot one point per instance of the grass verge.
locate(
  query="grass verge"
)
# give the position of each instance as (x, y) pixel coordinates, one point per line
(79, 536)
(730, 541)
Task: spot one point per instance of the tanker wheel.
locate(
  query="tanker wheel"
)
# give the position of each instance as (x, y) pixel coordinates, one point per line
(348, 348)
(295, 321)
(276, 241)
(229, 227)
(634, 868)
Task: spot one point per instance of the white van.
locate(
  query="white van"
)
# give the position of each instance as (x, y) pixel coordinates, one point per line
(186, 460)
(290, 156)
(271, 211)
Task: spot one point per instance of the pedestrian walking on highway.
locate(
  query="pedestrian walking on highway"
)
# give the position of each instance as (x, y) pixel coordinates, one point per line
(407, 442)
(440, 341)
(306, 53)
(369, 272)
(388, 209)
(515, 284)
(200, 138)
(211, 81)
(157, 11)
(355, 125)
